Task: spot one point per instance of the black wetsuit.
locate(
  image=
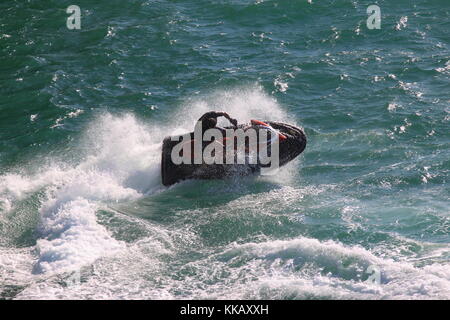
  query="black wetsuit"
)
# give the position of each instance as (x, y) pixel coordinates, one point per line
(212, 114)
(209, 120)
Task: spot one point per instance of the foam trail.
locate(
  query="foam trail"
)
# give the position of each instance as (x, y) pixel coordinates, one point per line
(121, 162)
(122, 167)
(305, 268)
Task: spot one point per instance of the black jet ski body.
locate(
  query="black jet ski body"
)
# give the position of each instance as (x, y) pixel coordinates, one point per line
(292, 144)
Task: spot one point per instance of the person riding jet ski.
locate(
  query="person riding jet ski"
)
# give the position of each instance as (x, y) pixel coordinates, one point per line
(291, 141)
(209, 120)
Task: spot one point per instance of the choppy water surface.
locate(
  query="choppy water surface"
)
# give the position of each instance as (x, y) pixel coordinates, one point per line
(83, 114)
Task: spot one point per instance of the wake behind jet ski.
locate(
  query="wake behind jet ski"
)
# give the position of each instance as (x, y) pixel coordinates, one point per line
(211, 152)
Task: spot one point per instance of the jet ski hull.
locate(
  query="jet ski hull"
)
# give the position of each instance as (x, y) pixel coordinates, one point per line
(171, 173)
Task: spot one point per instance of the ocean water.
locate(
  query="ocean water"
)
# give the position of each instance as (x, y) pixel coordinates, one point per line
(363, 213)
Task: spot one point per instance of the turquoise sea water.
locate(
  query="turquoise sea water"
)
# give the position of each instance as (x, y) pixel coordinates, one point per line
(83, 112)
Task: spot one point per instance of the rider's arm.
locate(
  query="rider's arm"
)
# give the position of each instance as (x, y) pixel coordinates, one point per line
(216, 114)
(211, 114)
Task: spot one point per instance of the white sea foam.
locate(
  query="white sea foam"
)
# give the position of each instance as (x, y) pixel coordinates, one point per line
(298, 268)
(402, 23)
(120, 162)
(399, 280)
(305, 268)
(15, 266)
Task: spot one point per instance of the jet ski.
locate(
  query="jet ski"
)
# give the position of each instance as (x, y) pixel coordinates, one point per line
(290, 140)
